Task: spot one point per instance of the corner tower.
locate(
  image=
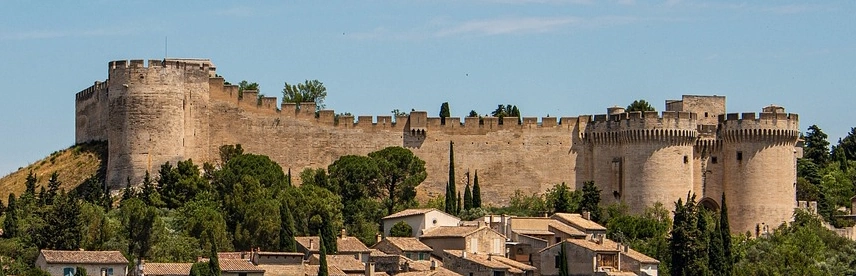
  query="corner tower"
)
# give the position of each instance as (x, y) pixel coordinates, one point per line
(759, 163)
(157, 114)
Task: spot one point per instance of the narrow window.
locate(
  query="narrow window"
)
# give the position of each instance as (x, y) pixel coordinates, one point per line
(686, 159)
(739, 155)
(713, 160)
(705, 114)
(68, 271)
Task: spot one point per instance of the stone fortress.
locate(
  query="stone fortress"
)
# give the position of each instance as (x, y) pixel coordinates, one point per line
(176, 109)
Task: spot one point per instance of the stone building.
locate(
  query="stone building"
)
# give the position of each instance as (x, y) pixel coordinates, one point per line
(483, 240)
(420, 220)
(411, 248)
(65, 262)
(474, 264)
(176, 109)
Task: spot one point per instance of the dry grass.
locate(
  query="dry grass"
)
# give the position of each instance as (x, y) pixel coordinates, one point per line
(74, 165)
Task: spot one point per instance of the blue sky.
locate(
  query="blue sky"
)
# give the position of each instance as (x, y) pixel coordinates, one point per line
(561, 58)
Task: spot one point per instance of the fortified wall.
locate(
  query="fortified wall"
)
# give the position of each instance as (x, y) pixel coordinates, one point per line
(177, 109)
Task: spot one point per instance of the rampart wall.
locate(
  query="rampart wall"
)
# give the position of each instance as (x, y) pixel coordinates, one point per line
(171, 110)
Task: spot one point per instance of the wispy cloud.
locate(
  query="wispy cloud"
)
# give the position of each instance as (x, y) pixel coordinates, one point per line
(50, 34)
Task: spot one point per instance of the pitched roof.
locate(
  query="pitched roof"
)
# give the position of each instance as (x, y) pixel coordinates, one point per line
(638, 256)
(299, 270)
(230, 255)
(533, 232)
(606, 245)
(347, 244)
(566, 229)
(408, 244)
(167, 269)
(238, 265)
(83, 257)
(439, 271)
(343, 262)
(378, 253)
(494, 262)
(578, 220)
(271, 253)
(450, 232)
(410, 212)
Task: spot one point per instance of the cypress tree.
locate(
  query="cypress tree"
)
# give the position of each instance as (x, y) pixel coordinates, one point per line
(10, 225)
(477, 203)
(31, 185)
(327, 235)
(458, 205)
(450, 191)
(716, 261)
(725, 233)
(79, 271)
(563, 261)
(322, 269)
(468, 198)
(214, 260)
(53, 188)
(287, 243)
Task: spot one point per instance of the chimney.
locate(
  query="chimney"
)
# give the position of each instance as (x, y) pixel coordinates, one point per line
(343, 234)
(464, 254)
(378, 238)
(626, 249)
(586, 215)
(370, 268)
(503, 225)
(489, 257)
(433, 265)
(311, 244)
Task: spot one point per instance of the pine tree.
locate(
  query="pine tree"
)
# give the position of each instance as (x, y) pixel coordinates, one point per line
(563, 261)
(328, 236)
(817, 146)
(458, 205)
(80, 271)
(444, 112)
(591, 200)
(287, 243)
(450, 191)
(685, 243)
(725, 233)
(716, 261)
(477, 203)
(468, 198)
(322, 269)
(30, 183)
(149, 191)
(53, 188)
(10, 225)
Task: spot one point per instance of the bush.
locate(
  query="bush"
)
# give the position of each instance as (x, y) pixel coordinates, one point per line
(401, 229)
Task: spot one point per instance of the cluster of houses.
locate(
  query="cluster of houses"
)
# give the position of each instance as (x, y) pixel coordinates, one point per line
(441, 244)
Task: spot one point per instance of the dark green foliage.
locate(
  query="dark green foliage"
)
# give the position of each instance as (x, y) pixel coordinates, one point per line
(816, 146)
(353, 178)
(847, 145)
(716, 252)
(287, 243)
(227, 152)
(53, 188)
(526, 205)
(308, 91)
(268, 173)
(80, 271)
(10, 224)
(562, 200)
(253, 214)
(468, 198)
(686, 244)
(62, 225)
(725, 237)
(401, 229)
(149, 193)
(503, 111)
(477, 202)
(200, 269)
(458, 205)
(401, 172)
(473, 113)
(591, 201)
(328, 235)
(200, 216)
(563, 261)
(647, 232)
(213, 259)
(444, 112)
(30, 184)
(322, 269)
(245, 85)
(450, 185)
(138, 222)
(639, 105)
(181, 183)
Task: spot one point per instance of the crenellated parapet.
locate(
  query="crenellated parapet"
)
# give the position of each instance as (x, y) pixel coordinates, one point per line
(643, 127)
(87, 93)
(764, 126)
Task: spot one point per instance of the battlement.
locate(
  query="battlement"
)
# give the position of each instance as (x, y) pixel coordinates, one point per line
(202, 64)
(87, 93)
(760, 126)
(638, 120)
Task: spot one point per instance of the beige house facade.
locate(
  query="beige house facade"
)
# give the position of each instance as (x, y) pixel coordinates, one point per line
(478, 240)
(96, 263)
(420, 220)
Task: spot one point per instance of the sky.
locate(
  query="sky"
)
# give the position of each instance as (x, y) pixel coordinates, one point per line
(548, 57)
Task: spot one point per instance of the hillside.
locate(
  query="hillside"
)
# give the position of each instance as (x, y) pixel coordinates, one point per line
(74, 165)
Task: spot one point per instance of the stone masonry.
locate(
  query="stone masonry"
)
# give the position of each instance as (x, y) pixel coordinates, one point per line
(177, 109)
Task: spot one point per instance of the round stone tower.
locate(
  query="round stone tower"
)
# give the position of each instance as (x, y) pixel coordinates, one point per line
(641, 158)
(759, 162)
(155, 114)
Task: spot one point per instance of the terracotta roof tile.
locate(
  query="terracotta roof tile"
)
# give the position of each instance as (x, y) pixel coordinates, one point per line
(449, 231)
(607, 245)
(439, 271)
(270, 253)
(298, 270)
(529, 232)
(347, 244)
(231, 255)
(377, 253)
(343, 262)
(578, 220)
(238, 265)
(566, 228)
(409, 212)
(638, 256)
(408, 244)
(167, 269)
(83, 257)
(494, 262)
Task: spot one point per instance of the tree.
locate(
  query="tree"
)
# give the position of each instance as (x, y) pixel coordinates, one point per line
(400, 172)
(477, 202)
(227, 152)
(200, 269)
(245, 85)
(200, 216)
(180, 184)
(149, 193)
(591, 200)
(10, 224)
(444, 112)
(639, 105)
(63, 223)
(816, 146)
(213, 259)
(401, 229)
(468, 198)
(563, 260)
(458, 206)
(287, 243)
(308, 91)
(847, 145)
(53, 188)
(686, 243)
(503, 111)
(562, 199)
(138, 222)
(328, 235)
(79, 271)
(450, 185)
(30, 192)
(725, 233)
(322, 268)
(716, 250)
(473, 113)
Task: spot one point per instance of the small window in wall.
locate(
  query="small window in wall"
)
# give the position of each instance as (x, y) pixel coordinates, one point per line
(242, 274)
(68, 271)
(558, 239)
(686, 159)
(739, 155)
(705, 114)
(713, 160)
(422, 256)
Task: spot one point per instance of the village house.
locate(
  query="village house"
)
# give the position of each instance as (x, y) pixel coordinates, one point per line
(420, 220)
(597, 255)
(346, 263)
(531, 234)
(411, 248)
(276, 258)
(484, 264)
(472, 239)
(167, 269)
(65, 263)
(345, 244)
(228, 267)
(581, 222)
(299, 270)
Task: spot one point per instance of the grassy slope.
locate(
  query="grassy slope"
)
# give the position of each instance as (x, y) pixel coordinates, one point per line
(74, 165)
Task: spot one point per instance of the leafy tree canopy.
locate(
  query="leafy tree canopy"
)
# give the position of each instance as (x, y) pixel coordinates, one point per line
(308, 91)
(639, 105)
